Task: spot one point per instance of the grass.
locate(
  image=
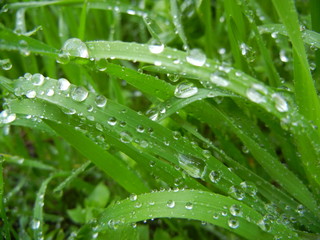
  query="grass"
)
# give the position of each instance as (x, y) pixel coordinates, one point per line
(159, 120)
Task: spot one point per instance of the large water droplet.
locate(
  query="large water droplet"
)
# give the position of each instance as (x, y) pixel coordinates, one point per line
(31, 94)
(256, 93)
(37, 79)
(185, 90)
(6, 64)
(63, 84)
(280, 104)
(215, 78)
(7, 117)
(35, 224)
(100, 101)
(125, 137)
(133, 197)
(75, 47)
(196, 57)
(79, 94)
(233, 223)
(171, 204)
(215, 176)
(195, 167)
(235, 210)
(156, 49)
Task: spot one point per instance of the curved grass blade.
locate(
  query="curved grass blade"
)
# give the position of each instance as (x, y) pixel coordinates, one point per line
(27, 162)
(190, 204)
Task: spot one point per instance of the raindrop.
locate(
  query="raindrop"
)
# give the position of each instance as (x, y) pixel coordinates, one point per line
(189, 205)
(176, 135)
(99, 127)
(75, 47)
(35, 224)
(100, 101)
(63, 58)
(24, 48)
(156, 49)
(7, 117)
(215, 176)
(31, 94)
(249, 188)
(235, 210)
(102, 64)
(138, 205)
(196, 57)
(125, 137)
(171, 204)
(236, 193)
(50, 92)
(280, 104)
(157, 63)
(63, 84)
(233, 223)
(112, 121)
(133, 197)
(140, 129)
(215, 78)
(185, 90)
(256, 92)
(283, 56)
(215, 216)
(274, 35)
(6, 64)
(195, 167)
(37, 79)
(173, 77)
(131, 12)
(244, 49)
(79, 94)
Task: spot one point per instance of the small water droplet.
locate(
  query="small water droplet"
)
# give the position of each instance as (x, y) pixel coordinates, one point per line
(7, 117)
(233, 223)
(283, 56)
(133, 197)
(35, 224)
(138, 205)
(196, 57)
(280, 104)
(185, 90)
(125, 137)
(195, 167)
(189, 205)
(63, 84)
(156, 49)
(236, 192)
(79, 94)
(63, 58)
(217, 79)
(100, 101)
(6, 64)
(24, 48)
(102, 64)
(140, 129)
(37, 79)
(171, 204)
(112, 121)
(31, 94)
(244, 49)
(75, 47)
(173, 77)
(50, 92)
(256, 93)
(215, 216)
(215, 176)
(235, 210)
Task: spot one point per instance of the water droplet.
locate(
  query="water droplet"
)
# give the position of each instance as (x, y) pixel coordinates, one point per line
(31, 94)
(300, 210)
(196, 57)
(50, 92)
(244, 49)
(24, 48)
(256, 92)
(195, 167)
(171, 204)
(176, 135)
(217, 79)
(125, 137)
(112, 121)
(37, 79)
(236, 192)
(140, 129)
(274, 35)
(6, 64)
(63, 84)
(185, 90)
(133, 197)
(68, 111)
(63, 58)
(215, 216)
(138, 205)
(100, 101)
(131, 12)
(189, 205)
(157, 63)
(102, 64)
(283, 56)
(280, 104)
(79, 94)
(144, 143)
(7, 117)
(249, 188)
(35, 224)
(75, 47)
(215, 176)
(173, 77)
(156, 49)
(233, 223)
(235, 210)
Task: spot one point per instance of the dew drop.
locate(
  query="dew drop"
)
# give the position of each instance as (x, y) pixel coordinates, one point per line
(63, 84)
(244, 49)
(233, 223)
(138, 205)
(133, 197)
(140, 129)
(236, 192)
(125, 137)
(102, 64)
(7, 117)
(6, 64)
(215, 216)
(280, 104)
(195, 167)
(189, 205)
(100, 101)
(50, 92)
(112, 121)
(215, 176)
(79, 94)
(235, 210)
(173, 77)
(24, 48)
(37, 79)
(63, 58)
(185, 90)
(35, 224)
(215, 78)
(31, 94)
(75, 47)
(171, 204)
(256, 92)
(156, 49)
(196, 57)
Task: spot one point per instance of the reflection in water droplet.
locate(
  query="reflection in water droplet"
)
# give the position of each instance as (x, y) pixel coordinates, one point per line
(235, 210)
(31, 94)
(37, 79)
(256, 93)
(75, 47)
(6, 64)
(133, 197)
(171, 204)
(125, 137)
(217, 79)
(280, 104)
(35, 224)
(79, 94)
(156, 49)
(283, 56)
(233, 223)
(112, 121)
(63, 84)
(185, 90)
(195, 167)
(215, 176)
(7, 117)
(100, 101)
(189, 205)
(102, 64)
(196, 57)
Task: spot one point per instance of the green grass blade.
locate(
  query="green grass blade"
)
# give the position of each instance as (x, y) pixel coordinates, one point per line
(4, 220)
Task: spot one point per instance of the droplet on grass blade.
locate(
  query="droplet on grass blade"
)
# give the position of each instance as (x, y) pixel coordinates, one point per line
(171, 204)
(63, 84)
(7, 117)
(37, 79)
(196, 57)
(233, 223)
(100, 101)
(218, 80)
(280, 103)
(256, 93)
(75, 47)
(6, 64)
(156, 49)
(185, 90)
(79, 94)
(215, 176)
(195, 167)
